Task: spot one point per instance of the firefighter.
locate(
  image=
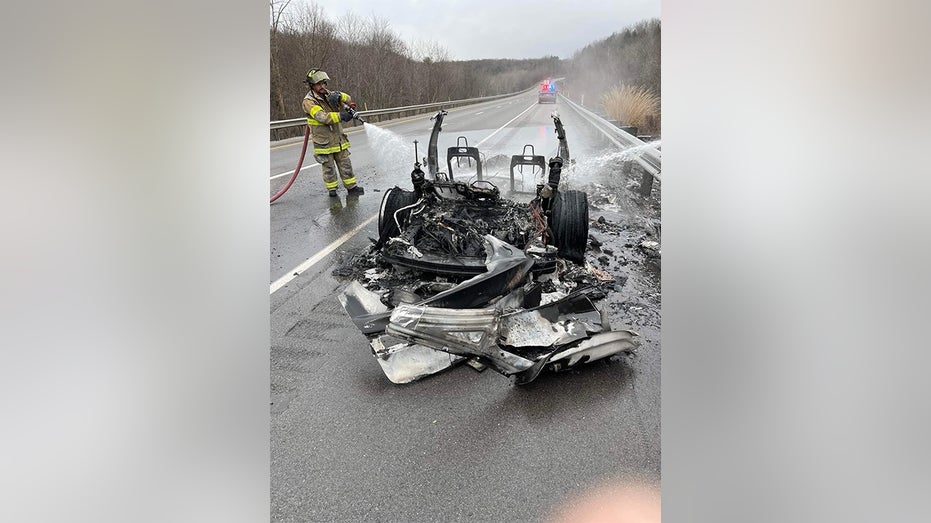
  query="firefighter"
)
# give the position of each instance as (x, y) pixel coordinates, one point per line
(325, 112)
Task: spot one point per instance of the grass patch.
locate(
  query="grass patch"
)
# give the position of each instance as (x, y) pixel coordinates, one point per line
(630, 105)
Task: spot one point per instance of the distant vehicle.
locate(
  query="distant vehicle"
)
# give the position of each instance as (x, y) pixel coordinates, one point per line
(547, 92)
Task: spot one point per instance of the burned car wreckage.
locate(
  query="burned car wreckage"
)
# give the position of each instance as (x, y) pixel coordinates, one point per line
(485, 272)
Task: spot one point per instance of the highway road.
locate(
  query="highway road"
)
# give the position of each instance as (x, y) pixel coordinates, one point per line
(348, 445)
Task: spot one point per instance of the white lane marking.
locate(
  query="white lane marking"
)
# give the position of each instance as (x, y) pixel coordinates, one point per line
(505, 125)
(478, 113)
(289, 173)
(295, 272)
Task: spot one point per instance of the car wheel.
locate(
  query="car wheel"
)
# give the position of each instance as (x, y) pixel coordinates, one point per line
(394, 199)
(569, 223)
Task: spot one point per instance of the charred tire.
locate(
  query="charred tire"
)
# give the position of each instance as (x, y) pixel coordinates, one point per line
(394, 199)
(569, 223)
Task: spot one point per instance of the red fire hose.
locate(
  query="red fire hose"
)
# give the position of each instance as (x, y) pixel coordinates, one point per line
(297, 169)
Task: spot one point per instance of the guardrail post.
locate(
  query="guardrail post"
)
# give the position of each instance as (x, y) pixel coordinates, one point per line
(646, 183)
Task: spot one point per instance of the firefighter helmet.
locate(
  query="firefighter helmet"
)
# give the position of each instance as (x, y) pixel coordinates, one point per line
(316, 76)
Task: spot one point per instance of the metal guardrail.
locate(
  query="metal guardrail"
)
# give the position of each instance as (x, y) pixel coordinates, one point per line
(294, 122)
(649, 157)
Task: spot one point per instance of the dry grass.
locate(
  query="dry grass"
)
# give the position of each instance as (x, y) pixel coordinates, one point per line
(630, 105)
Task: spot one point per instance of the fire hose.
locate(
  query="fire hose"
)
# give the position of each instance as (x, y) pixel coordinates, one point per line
(297, 169)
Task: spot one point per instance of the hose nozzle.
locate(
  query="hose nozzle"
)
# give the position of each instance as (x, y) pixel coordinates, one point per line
(351, 109)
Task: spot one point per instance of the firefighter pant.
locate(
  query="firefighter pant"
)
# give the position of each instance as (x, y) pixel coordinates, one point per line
(329, 163)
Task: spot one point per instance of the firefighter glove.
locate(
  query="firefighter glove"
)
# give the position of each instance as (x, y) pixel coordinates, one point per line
(334, 98)
(345, 115)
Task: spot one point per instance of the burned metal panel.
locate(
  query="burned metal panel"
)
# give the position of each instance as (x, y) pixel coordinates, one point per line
(406, 362)
(507, 269)
(557, 323)
(468, 332)
(595, 348)
(531, 329)
(579, 307)
(365, 308)
(519, 343)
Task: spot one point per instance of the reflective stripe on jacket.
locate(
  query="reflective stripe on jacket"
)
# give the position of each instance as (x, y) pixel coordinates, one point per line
(325, 128)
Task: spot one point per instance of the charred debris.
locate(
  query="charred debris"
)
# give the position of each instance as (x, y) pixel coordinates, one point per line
(460, 274)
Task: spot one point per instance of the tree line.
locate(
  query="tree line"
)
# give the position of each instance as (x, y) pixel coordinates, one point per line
(367, 59)
(629, 57)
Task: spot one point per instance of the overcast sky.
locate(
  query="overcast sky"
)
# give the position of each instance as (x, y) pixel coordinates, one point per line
(500, 28)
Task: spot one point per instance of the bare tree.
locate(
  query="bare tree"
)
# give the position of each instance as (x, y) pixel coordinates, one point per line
(369, 60)
(277, 8)
(316, 35)
(351, 28)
